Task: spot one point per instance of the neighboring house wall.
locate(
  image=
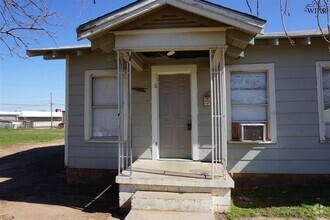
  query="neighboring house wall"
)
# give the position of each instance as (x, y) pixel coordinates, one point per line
(298, 149)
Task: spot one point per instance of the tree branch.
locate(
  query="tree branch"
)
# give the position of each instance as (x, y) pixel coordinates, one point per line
(283, 13)
(22, 22)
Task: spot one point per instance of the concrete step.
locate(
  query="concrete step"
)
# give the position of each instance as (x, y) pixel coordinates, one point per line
(168, 201)
(167, 215)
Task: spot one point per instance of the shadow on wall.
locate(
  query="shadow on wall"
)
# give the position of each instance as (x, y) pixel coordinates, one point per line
(38, 176)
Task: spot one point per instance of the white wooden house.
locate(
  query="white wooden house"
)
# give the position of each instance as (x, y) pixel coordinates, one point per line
(175, 94)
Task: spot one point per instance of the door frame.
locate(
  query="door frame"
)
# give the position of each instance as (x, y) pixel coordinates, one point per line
(171, 70)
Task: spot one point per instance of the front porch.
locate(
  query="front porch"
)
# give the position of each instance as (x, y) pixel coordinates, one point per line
(174, 185)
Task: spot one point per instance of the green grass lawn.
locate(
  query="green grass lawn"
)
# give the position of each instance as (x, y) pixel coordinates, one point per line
(284, 202)
(12, 137)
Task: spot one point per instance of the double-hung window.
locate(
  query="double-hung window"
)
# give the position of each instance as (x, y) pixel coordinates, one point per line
(101, 105)
(323, 88)
(251, 106)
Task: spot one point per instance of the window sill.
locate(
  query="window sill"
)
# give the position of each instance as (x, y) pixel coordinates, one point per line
(107, 141)
(324, 141)
(252, 142)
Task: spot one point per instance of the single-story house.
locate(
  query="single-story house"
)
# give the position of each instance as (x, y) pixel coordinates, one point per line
(36, 119)
(175, 95)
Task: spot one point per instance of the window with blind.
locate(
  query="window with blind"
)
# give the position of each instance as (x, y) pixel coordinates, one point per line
(323, 83)
(104, 107)
(249, 97)
(326, 102)
(101, 104)
(251, 100)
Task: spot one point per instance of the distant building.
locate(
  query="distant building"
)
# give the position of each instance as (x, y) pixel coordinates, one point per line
(9, 116)
(41, 119)
(37, 119)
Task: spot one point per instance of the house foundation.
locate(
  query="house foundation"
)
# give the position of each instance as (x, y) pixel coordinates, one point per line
(90, 176)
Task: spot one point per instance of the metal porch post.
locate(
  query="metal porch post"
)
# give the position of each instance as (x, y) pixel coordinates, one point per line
(218, 111)
(125, 156)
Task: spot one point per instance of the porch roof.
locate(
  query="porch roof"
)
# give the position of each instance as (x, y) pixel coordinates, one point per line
(243, 21)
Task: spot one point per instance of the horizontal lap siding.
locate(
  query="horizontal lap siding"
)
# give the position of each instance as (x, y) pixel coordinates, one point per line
(204, 113)
(298, 149)
(141, 117)
(86, 154)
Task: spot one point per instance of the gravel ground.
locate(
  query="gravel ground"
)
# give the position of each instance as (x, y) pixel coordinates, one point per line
(33, 186)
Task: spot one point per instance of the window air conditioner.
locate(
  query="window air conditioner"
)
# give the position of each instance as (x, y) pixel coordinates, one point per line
(253, 132)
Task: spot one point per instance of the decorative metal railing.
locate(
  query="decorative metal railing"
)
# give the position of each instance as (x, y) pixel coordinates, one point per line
(218, 112)
(125, 157)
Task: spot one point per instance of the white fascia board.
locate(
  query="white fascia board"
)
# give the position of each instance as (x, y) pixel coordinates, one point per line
(235, 19)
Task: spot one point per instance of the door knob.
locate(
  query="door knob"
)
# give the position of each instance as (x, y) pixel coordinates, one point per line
(189, 125)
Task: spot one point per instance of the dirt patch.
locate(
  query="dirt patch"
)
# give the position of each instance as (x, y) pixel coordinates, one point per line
(33, 186)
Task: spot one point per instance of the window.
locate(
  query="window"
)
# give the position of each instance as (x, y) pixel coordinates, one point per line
(323, 88)
(101, 104)
(251, 103)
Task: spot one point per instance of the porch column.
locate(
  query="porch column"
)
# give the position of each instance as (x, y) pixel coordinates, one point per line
(218, 112)
(125, 155)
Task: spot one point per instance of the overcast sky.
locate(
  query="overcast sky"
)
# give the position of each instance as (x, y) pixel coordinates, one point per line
(27, 84)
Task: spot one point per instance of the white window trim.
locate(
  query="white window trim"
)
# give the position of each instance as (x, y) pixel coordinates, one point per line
(269, 68)
(167, 70)
(319, 78)
(89, 75)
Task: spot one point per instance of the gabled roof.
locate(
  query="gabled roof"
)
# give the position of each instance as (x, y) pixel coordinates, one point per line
(204, 8)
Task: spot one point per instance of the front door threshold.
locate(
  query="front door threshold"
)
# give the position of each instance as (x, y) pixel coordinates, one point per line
(175, 159)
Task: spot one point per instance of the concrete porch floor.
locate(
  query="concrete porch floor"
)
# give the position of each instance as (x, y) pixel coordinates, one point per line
(175, 180)
(174, 172)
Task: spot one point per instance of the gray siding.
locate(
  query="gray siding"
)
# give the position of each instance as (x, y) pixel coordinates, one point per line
(142, 107)
(83, 154)
(298, 149)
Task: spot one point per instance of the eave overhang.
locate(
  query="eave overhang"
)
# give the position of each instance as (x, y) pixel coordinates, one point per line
(54, 53)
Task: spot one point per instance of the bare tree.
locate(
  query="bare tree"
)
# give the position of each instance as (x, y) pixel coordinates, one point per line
(22, 22)
(320, 7)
